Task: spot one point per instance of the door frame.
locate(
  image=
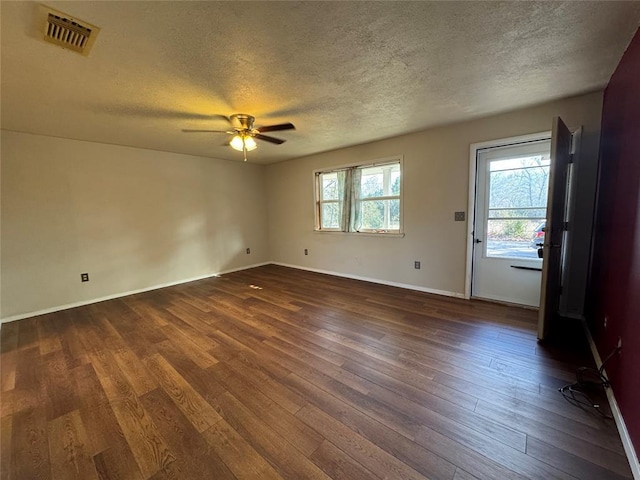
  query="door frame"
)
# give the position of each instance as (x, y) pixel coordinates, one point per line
(471, 208)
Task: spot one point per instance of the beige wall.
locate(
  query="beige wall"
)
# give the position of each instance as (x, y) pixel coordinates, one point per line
(134, 219)
(131, 218)
(436, 170)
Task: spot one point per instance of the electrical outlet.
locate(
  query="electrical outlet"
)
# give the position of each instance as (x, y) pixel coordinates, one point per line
(458, 216)
(306, 251)
(84, 277)
(416, 265)
(248, 251)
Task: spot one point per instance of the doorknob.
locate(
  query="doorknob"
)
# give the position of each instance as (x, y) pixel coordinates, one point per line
(477, 240)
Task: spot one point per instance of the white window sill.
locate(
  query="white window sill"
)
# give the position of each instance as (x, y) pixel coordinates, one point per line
(363, 234)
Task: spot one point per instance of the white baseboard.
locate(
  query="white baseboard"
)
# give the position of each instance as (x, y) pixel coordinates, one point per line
(375, 280)
(629, 449)
(123, 294)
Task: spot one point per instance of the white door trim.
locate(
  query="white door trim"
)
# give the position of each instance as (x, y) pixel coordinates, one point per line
(473, 152)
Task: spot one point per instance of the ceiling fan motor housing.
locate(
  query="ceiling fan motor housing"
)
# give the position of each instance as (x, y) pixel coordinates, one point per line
(245, 121)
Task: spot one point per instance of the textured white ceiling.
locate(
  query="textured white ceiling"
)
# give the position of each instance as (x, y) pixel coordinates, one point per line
(343, 72)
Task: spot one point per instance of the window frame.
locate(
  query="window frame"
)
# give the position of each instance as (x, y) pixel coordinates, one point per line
(318, 202)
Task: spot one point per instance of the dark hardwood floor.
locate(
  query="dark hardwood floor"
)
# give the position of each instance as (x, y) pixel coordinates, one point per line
(277, 373)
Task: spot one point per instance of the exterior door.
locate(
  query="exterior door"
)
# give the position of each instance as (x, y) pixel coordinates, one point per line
(510, 211)
(555, 227)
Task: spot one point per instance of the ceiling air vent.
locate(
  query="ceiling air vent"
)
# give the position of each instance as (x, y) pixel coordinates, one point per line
(68, 32)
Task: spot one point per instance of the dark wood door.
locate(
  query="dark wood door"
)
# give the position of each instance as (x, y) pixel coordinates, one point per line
(554, 231)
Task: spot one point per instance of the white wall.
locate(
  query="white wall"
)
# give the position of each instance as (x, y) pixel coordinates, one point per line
(436, 170)
(131, 218)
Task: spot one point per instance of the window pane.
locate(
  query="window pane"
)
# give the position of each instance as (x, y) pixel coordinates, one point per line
(511, 163)
(514, 238)
(371, 182)
(519, 187)
(394, 214)
(381, 215)
(330, 215)
(395, 180)
(330, 187)
(373, 215)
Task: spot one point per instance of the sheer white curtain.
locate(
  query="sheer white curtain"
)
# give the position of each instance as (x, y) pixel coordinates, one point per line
(350, 204)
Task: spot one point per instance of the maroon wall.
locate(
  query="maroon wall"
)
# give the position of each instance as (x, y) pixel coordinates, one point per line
(615, 280)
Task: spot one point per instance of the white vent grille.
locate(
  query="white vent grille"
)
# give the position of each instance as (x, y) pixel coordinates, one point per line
(67, 32)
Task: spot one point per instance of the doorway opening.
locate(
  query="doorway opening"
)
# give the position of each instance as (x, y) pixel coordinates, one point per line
(509, 181)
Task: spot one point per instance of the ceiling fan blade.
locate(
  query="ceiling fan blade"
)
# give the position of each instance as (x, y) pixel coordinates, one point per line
(204, 131)
(273, 128)
(277, 141)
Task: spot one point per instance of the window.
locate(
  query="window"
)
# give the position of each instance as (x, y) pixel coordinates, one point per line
(362, 198)
(517, 207)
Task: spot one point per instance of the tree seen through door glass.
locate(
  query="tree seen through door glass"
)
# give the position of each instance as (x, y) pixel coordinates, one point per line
(518, 190)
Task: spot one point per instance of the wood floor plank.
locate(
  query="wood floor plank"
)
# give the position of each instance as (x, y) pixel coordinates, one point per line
(6, 446)
(30, 449)
(8, 370)
(147, 445)
(575, 465)
(383, 431)
(283, 456)
(135, 371)
(8, 347)
(117, 463)
(9, 336)
(193, 456)
(364, 451)
(191, 404)
(95, 410)
(237, 454)
(265, 376)
(303, 438)
(48, 336)
(69, 452)
(337, 464)
(279, 373)
(58, 393)
(202, 381)
(183, 341)
(28, 333)
(462, 475)
(583, 442)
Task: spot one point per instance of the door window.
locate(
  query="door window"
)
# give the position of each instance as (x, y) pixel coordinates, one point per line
(517, 206)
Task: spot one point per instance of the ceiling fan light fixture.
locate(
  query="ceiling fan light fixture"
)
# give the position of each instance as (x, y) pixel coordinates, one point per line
(250, 143)
(243, 142)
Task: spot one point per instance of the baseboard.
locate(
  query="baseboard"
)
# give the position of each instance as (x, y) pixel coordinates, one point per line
(123, 294)
(375, 280)
(629, 449)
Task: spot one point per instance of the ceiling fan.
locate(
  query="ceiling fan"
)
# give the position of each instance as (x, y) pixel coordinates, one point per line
(244, 133)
